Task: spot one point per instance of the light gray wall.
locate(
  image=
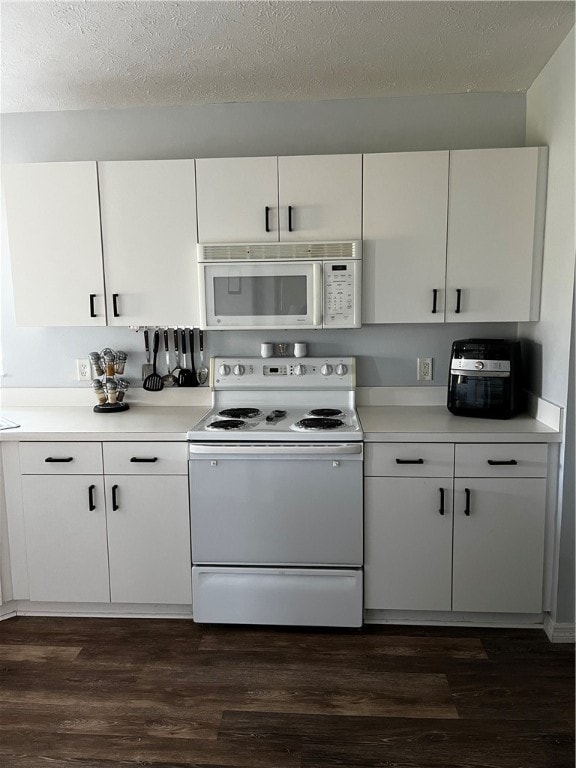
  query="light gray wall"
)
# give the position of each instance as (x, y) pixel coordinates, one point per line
(387, 354)
(550, 120)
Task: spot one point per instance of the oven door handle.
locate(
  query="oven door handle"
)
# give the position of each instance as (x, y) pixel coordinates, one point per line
(270, 449)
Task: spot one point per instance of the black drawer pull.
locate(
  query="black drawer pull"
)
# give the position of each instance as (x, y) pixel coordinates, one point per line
(509, 463)
(115, 305)
(266, 222)
(441, 510)
(138, 460)
(458, 300)
(56, 460)
(467, 510)
(115, 505)
(435, 300)
(91, 505)
(92, 310)
(290, 227)
(409, 461)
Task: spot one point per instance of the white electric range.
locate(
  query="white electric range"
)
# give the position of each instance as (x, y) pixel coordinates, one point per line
(276, 494)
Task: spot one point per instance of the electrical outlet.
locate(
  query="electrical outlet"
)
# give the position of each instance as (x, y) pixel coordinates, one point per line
(83, 369)
(424, 369)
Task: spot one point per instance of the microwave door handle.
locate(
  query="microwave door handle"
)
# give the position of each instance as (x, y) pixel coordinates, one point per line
(317, 294)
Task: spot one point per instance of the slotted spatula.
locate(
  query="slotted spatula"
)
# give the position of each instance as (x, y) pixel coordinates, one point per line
(153, 382)
(185, 378)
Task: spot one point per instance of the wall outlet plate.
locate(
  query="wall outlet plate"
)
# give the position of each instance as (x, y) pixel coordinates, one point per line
(83, 369)
(424, 369)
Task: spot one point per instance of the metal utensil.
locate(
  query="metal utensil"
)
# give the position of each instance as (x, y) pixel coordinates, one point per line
(153, 382)
(168, 380)
(191, 343)
(202, 373)
(176, 369)
(147, 367)
(185, 378)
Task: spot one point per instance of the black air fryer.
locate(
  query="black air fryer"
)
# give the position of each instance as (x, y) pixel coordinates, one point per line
(484, 378)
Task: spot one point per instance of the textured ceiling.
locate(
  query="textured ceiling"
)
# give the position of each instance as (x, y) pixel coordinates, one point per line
(86, 55)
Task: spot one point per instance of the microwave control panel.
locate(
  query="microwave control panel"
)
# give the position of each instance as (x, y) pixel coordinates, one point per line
(342, 294)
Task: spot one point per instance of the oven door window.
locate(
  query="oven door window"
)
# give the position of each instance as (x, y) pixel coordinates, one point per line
(262, 295)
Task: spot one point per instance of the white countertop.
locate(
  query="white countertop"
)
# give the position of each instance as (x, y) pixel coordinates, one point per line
(82, 423)
(435, 424)
(396, 423)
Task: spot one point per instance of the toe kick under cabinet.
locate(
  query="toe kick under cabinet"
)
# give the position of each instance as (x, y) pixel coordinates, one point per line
(455, 527)
(106, 522)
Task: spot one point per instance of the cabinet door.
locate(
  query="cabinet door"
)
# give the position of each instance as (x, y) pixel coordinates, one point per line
(237, 199)
(494, 234)
(405, 207)
(320, 197)
(149, 539)
(149, 236)
(66, 538)
(55, 243)
(408, 543)
(499, 546)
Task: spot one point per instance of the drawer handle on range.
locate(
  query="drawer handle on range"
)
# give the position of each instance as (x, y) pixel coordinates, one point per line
(467, 509)
(441, 510)
(409, 461)
(509, 463)
(138, 460)
(91, 505)
(434, 300)
(115, 504)
(55, 460)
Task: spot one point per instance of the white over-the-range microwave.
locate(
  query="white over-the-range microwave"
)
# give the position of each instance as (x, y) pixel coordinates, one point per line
(280, 285)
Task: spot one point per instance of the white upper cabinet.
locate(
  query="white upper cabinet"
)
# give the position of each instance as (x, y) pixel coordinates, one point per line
(320, 197)
(405, 198)
(263, 199)
(55, 245)
(237, 199)
(148, 211)
(495, 230)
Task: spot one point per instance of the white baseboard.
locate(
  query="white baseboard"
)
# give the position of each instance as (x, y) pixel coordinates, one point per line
(559, 632)
(101, 610)
(456, 619)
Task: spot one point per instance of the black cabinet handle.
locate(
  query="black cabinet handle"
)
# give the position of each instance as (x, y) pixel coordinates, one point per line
(441, 510)
(409, 461)
(290, 229)
(92, 310)
(138, 460)
(467, 510)
(266, 222)
(115, 498)
(458, 300)
(115, 305)
(434, 300)
(91, 505)
(509, 463)
(54, 460)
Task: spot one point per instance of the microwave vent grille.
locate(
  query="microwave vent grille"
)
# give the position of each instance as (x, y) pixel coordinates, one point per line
(279, 251)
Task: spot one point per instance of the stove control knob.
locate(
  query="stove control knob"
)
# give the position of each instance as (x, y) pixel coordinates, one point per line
(478, 365)
(341, 369)
(299, 370)
(326, 370)
(238, 370)
(224, 370)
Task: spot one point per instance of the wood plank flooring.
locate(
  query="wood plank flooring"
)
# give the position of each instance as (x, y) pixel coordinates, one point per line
(105, 693)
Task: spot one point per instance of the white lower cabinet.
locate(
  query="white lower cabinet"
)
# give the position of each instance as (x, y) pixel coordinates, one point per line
(485, 554)
(102, 537)
(67, 550)
(149, 539)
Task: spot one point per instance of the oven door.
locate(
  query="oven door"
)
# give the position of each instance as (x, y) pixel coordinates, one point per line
(291, 505)
(261, 295)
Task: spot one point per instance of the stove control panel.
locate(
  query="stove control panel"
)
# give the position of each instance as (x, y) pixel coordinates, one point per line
(338, 373)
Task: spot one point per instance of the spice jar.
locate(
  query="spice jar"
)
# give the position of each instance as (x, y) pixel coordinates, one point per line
(112, 390)
(122, 389)
(121, 358)
(96, 362)
(99, 391)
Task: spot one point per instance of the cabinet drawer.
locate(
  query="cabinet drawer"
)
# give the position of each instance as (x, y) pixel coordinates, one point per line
(501, 460)
(61, 458)
(409, 459)
(145, 458)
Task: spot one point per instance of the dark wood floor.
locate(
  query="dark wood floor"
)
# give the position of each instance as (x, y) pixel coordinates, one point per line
(110, 692)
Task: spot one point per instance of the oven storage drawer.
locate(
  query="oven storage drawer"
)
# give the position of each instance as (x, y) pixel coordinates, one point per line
(286, 596)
